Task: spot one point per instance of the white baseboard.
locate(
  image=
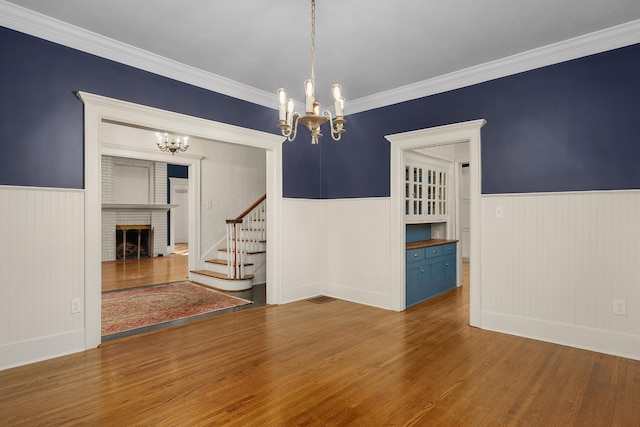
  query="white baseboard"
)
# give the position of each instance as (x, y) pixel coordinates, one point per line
(359, 296)
(301, 292)
(601, 341)
(36, 350)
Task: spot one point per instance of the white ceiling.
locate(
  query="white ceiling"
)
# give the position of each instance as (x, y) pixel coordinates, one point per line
(369, 46)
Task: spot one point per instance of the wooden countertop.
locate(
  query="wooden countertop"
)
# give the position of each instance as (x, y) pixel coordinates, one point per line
(427, 243)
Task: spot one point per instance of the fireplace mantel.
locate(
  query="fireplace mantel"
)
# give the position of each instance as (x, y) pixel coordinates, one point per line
(139, 207)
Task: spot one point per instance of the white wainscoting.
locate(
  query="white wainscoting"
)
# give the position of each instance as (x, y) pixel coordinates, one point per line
(358, 251)
(41, 272)
(304, 241)
(553, 265)
(338, 248)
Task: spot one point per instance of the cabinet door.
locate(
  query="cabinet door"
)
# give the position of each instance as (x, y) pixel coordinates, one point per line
(413, 190)
(450, 272)
(425, 192)
(416, 281)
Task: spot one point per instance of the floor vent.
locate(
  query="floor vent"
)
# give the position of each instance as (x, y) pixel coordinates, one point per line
(321, 299)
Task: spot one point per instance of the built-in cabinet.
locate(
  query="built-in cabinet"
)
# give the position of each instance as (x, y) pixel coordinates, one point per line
(430, 270)
(431, 260)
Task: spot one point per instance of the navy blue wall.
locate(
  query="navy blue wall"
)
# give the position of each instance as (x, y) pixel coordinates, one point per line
(568, 127)
(571, 126)
(43, 120)
(177, 171)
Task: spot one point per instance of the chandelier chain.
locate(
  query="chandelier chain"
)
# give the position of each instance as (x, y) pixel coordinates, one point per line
(313, 39)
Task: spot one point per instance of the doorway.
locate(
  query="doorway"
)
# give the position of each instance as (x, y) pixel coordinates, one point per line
(442, 135)
(99, 109)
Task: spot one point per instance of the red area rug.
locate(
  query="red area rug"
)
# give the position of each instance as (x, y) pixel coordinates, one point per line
(136, 308)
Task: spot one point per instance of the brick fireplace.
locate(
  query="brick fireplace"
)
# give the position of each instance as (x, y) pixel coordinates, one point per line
(134, 197)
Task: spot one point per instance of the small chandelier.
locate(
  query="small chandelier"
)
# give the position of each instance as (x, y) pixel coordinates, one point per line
(166, 142)
(313, 119)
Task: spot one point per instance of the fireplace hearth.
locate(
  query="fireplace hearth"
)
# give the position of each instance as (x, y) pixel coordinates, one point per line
(134, 241)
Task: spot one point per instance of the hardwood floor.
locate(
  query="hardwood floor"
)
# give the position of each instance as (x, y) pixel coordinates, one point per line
(337, 363)
(119, 275)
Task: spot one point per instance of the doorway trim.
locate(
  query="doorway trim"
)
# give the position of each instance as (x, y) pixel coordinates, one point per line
(441, 135)
(98, 109)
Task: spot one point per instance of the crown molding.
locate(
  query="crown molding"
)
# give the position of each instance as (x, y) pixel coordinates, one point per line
(578, 47)
(42, 26)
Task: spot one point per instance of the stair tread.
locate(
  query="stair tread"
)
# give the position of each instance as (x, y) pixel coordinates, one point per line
(248, 252)
(223, 262)
(220, 275)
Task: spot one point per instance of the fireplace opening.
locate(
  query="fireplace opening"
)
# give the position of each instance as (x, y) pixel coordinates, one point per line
(134, 242)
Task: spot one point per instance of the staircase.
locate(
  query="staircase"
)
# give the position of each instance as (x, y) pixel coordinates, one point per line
(244, 254)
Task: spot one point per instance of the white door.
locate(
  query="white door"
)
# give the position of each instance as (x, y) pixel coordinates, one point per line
(179, 195)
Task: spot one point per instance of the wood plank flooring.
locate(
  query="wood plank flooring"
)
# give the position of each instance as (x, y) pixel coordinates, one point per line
(119, 275)
(332, 364)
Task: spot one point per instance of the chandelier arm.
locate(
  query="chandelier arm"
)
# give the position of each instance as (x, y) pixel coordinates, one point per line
(334, 130)
(294, 128)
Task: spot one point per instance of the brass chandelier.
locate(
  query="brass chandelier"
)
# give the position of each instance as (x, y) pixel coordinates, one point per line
(166, 142)
(313, 119)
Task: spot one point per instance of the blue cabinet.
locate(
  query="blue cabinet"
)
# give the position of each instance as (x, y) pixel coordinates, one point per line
(430, 271)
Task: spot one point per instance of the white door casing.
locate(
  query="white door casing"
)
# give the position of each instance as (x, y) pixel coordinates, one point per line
(98, 109)
(442, 135)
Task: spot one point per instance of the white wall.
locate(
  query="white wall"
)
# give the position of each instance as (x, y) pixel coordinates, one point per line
(553, 266)
(549, 270)
(338, 248)
(41, 272)
(233, 177)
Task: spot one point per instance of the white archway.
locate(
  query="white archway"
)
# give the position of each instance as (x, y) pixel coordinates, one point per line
(98, 109)
(442, 135)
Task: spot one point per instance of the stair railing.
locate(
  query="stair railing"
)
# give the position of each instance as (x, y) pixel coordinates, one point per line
(245, 233)
(235, 252)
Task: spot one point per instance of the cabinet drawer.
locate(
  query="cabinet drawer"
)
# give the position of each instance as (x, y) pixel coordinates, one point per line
(433, 251)
(414, 255)
(449, 249)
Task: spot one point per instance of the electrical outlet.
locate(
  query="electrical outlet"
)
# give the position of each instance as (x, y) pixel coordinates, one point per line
(620, 307)
(76, 305)
(436, 234)
(499, 212)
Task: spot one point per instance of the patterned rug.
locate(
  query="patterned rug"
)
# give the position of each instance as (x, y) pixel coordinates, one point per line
(136, 308)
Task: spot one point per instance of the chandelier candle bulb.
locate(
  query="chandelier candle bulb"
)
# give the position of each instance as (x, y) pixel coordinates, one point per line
(309, 91)
(336, 89)
(282, 98)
